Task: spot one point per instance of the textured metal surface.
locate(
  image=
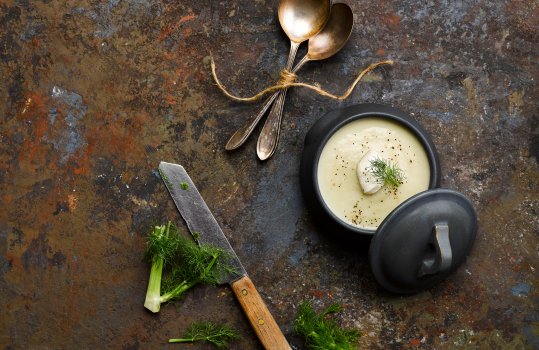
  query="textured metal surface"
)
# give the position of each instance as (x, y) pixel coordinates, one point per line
(198, 217)
(94, 93)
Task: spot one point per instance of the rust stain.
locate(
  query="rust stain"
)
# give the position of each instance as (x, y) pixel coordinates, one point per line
(84, 160)
(187, 31)
(171, 28)
(170, 100)
(392, 20)
(38, 102)
(168, 55)
(473, 103)
(15, 261)
(499, 44)
(516, 102)
(6, 201)
(118, 138)
(31, 150)
(187, 18)
(167, 30)
(35, 42)
(318, 293)
(26, 105)
(72, 202)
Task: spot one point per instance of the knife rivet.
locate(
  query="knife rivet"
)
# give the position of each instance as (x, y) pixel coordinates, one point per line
(261, 321)
(244, 291)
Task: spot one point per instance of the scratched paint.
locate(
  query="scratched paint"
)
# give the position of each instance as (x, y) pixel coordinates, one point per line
(71, 139)
(101, 14)
(521, 290)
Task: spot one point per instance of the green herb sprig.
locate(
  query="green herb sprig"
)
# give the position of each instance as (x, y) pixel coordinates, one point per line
(178, 264)
(218, 335)
(320, 331)
(387, 173)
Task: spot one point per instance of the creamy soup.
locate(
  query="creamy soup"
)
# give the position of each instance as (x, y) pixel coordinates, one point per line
(337, 170)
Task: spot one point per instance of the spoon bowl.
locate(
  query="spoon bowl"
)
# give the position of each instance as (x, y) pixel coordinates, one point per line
(335, 34)
(301, 19)
(332, 38)
(325, 44)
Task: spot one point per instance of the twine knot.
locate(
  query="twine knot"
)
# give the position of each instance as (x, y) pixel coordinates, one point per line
(286, 78)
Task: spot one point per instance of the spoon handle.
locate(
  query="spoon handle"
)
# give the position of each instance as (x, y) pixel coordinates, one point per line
(242, 134)
(269, 136)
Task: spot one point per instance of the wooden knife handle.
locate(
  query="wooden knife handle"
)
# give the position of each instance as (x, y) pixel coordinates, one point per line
(266, 328)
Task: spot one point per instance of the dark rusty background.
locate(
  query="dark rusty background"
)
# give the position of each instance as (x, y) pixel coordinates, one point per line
(93, 94)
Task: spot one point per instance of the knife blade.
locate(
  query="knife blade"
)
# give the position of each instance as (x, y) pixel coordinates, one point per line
(205, 229)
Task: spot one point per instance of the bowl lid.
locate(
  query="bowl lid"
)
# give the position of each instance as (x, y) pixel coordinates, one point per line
(423, 240)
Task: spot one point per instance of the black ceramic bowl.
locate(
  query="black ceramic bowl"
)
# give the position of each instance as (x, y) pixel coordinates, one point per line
(317, 138)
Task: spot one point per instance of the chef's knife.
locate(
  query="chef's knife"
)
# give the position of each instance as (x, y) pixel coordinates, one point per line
(206, 230)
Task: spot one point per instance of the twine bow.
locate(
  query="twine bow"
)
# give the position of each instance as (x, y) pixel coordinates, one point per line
(288, 79)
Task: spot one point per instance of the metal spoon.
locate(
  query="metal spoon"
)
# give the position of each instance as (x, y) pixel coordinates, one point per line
(300, 20)
(323, 45)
